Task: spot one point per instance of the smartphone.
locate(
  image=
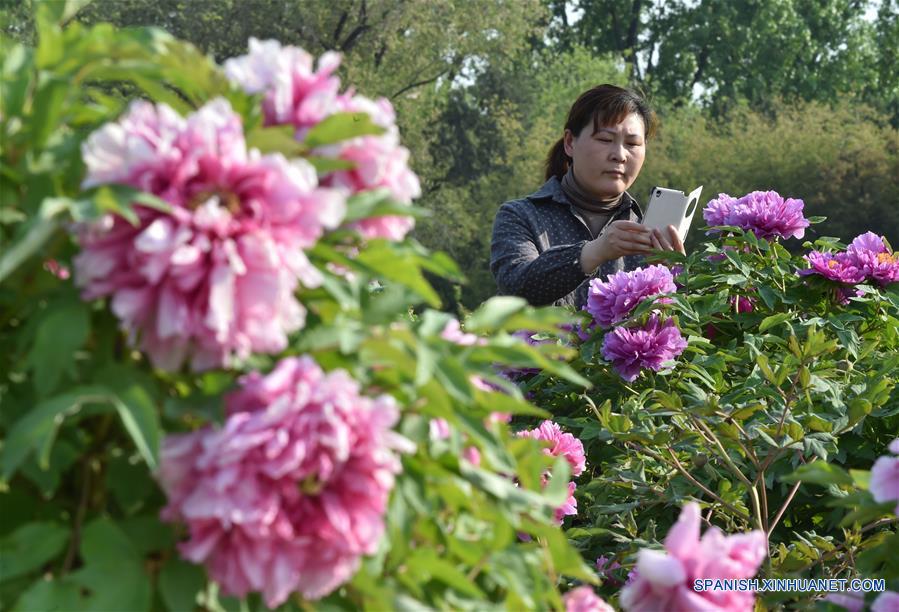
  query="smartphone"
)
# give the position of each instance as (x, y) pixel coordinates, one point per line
(671, 207)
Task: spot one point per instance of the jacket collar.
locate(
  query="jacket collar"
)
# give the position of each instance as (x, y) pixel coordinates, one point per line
(552, 190)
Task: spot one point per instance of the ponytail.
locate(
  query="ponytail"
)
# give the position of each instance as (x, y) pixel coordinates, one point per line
(557, 161)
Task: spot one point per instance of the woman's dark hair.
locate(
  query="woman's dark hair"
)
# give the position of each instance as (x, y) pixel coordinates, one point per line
(604, 105)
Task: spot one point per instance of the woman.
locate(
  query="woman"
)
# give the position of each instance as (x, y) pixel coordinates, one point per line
(582, 223)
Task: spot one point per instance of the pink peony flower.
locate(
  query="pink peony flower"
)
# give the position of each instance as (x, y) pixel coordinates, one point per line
(583, 599)
(213, 279)
(295, 92)
(884, 484)
(836, 267)
(664, 580)
(291, 491)
(57, 269)
(888, 601)
(297, 95)
(765, 213)
(472, 455)
(563, 443)
(380, 162)
(453, 333)
(612, 301)
(870, 255)
(630, 349)
(568, 446)
(438, 429)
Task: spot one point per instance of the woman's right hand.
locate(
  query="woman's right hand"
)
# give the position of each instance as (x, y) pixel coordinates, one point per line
(618, 239)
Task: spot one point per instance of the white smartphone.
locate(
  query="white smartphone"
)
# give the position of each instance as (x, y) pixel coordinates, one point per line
(671, 207)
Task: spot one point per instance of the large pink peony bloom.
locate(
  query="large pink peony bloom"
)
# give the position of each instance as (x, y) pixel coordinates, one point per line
(869, 253)
(888, 601)
(630, 349)
(291, 491)
(214, 278)
(568, 446)
(297, 95)
(884, 484)
(664, 581)
(765, 213)
(583, 599)
(612, 301)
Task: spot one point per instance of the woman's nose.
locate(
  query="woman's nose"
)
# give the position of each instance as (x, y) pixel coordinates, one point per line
(617, 153)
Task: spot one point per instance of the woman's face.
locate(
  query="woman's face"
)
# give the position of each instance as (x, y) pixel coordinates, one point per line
(607, 163)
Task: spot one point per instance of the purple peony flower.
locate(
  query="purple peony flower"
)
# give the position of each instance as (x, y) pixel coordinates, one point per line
(612, 301)
(888, 601)
(869, 254)
(664, 580)
(765, 213)
(291, 491)
(651, 346)
(717, 211)
(836, 267)
(884, 485)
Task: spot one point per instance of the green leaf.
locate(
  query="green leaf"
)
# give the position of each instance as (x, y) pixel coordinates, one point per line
(427, 565)
(275, 139)
(37, 428)
(29, 547)
(774, 320)
(17, 75)
(60, 595)
(494, 312)
(180, 583)
(49, 106)
(341, 126)
(859, 408)
(107, 552)
(141, 420)
(41, 229)
(64, 329)
(819, 472)
(392, 263)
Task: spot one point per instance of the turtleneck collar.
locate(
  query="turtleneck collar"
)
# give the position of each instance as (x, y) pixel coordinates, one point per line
(583, 200)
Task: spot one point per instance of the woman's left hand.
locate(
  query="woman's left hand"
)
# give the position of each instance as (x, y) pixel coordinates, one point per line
(671, 242)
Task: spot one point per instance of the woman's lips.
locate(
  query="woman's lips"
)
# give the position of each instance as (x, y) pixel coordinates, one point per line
(614, 173)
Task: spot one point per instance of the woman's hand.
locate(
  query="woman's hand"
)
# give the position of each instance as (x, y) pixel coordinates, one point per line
(618, 239)
(671, 242)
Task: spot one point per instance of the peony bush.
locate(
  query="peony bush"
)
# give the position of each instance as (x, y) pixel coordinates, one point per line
(228, 385)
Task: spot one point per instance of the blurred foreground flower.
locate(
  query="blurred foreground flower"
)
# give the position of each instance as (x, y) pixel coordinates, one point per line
(291, 491)
(664, 580)
(583, 599)
(297, 94)
(884, 484)
(212, 279)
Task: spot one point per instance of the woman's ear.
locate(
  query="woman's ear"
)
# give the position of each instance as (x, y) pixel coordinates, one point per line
(568, 142)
